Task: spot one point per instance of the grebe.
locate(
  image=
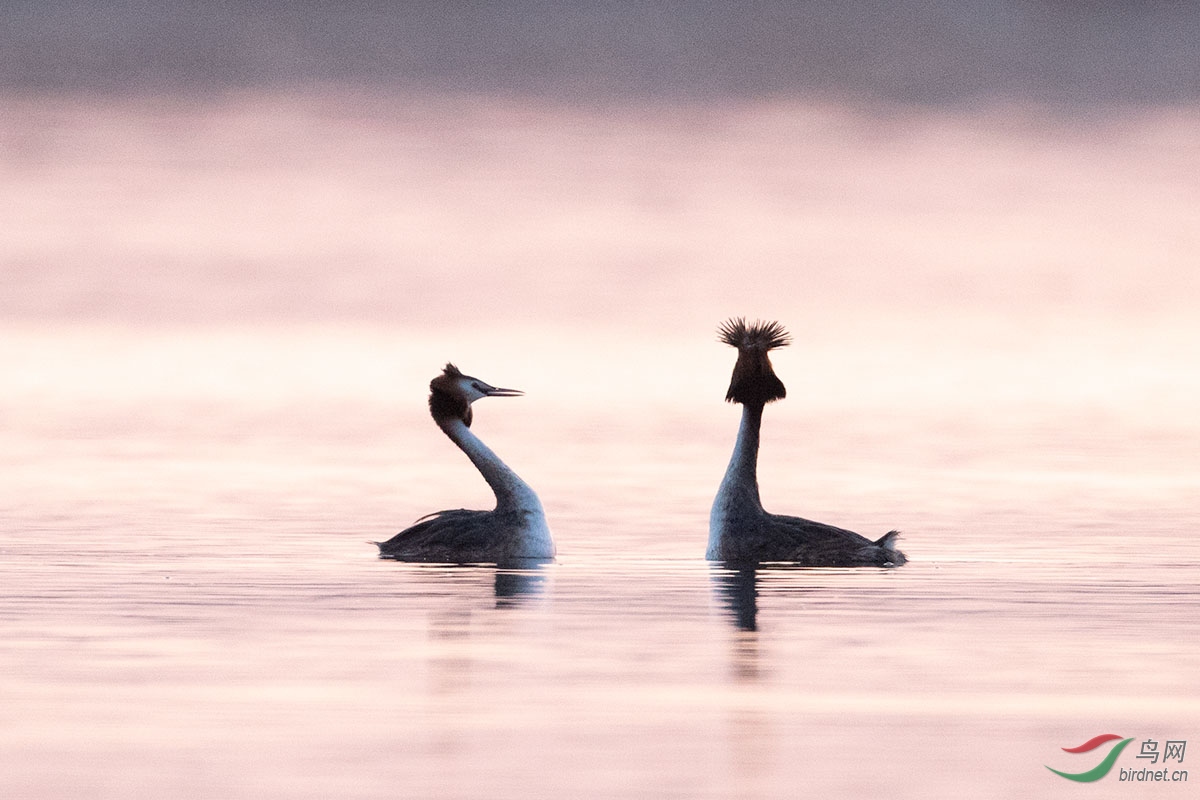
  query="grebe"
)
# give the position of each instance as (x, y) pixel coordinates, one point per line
(739, 530)
(515, 529)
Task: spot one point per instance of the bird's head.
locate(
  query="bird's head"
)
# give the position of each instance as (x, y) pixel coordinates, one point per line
(754, 381)
(451, 394)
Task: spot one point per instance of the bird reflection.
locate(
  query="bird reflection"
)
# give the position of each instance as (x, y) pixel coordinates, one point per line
(452, 596)
(513, 582)
(738, 589)
(737, 585)
(519, 581)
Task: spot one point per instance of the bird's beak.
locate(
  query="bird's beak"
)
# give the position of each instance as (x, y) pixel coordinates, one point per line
(492, 391)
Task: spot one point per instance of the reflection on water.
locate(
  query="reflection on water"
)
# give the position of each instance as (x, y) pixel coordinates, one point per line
(657, 676)
(512, 582)
(738, 588)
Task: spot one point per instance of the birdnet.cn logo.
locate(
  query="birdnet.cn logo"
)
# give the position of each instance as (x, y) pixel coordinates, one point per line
(1159, 764)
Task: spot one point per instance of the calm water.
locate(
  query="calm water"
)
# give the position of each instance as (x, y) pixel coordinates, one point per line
(218, 326)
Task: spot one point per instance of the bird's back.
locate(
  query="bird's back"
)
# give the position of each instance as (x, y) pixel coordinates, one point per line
(463, 536)
(776, 537)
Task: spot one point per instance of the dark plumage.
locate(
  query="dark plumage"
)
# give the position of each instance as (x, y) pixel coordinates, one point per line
(458, 536)
(753, 380)
(740, 530)
(446, 403)
(765, 537)
(758, 336)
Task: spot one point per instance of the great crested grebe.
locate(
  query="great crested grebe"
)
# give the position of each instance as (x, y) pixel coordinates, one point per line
(515, 529)
(739, 530)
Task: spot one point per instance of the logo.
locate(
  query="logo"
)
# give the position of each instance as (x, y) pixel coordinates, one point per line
(1172, 750)
(1100, 770)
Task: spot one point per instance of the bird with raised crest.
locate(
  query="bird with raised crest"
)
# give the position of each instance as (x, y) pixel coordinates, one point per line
(739, 529)
(513, 531)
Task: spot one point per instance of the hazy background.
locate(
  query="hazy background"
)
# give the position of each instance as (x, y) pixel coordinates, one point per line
(355, 162)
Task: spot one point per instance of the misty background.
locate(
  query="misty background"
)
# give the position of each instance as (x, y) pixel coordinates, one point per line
(184, 161)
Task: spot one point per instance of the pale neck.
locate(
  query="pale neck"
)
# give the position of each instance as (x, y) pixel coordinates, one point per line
(511, 492)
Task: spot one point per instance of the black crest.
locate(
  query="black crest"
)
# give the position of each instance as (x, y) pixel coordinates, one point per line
(754, 381)
(445, 401)
(757, 336)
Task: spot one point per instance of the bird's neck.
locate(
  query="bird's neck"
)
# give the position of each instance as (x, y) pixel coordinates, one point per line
(737, 510)
(512, 493)
(740, 484)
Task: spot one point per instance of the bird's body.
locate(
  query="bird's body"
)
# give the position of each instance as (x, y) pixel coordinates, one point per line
(515, 529)
(740, 530)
